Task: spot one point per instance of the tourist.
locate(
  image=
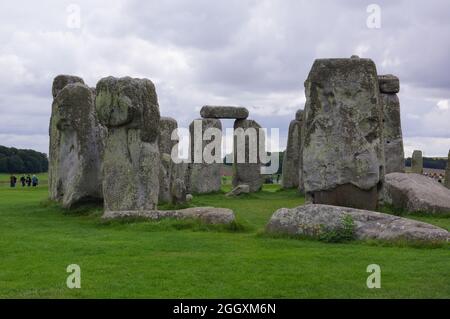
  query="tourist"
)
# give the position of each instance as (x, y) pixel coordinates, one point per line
(28, 180)
(35, 181)
(12, 181)
(23, 180)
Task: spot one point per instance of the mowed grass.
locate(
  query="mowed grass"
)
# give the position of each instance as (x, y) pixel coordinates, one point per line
(173, 259)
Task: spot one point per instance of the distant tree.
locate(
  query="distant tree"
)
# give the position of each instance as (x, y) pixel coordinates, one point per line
(13, 160)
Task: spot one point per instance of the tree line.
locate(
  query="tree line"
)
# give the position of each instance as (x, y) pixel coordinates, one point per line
(13, 160)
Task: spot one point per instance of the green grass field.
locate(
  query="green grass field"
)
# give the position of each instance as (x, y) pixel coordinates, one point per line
(173, 259)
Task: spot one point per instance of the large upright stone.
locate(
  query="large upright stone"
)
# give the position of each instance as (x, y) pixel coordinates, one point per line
(76, 144)
(392, 128)
(59, 83)
(417, 162)
(129, 109)
(224, 112)
(292, 156)
(343, 157)
(247, 162)
(168, 170)
(205, 174)
(447, 172)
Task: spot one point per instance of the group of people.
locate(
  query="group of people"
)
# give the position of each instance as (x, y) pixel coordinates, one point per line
(28, 181)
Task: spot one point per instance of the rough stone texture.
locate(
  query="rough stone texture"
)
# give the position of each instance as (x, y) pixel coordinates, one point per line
(76, 144)
(292, 156)
(415, 192)
(169, 171)
(204, 177)
(178, 191)
(343, 142)
(238, 190)
(311, 220)
(417, 162)
(166, 126)
(209, 215)
(447, 172)
(129, 109)
(389, 83)
(247, 171)
(224, 112)
(60, 81)
(392, 129)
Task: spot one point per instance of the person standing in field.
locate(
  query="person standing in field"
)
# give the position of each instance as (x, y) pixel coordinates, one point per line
(12, 181)
(35, 181)
(23, 180)
(28, 180)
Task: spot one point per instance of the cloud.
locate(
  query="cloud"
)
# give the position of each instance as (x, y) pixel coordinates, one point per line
(251, 53)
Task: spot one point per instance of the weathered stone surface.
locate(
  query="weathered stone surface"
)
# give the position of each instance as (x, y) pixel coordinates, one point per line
(389, 83)
(76, 144)
(393, 141)
(238, 190)
(312, 220)
(165, 178)
(62, 80)
(204, 176)
(447, 172)
(299, 115)
(209, 215)
(415, 192)
(189, 197)
(417, 162)
(167, 126)
(248, 139)
(224, 112)
(129, 109)
(343, 143)
(292, 156)
(178, 191)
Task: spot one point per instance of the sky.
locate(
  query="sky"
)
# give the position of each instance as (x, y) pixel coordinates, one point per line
(251, 53)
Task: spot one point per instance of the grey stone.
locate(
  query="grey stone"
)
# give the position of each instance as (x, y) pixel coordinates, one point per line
(165, 178)
(238, 190)
(415, 192)
(60, 81)
(447, 172)
(204, 177)
(167, 126)
(178, 191)
(313, 220)
(76, 144)
(224, 112)
(247, 162)
(209, 215)
(189, 197)
(343, 156)
(129, 109)
(389, 83)
(392, 130)
(292, 156)
(417, 162)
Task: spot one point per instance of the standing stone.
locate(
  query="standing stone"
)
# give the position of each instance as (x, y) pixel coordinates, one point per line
(247, 162)
(343, 156)
(447, 172)
(76, 144)
(292, 155)
(417, 162)
(58, 84)
(224, 112)
(204, 176)
(129, 109)
(167, 173)
(392, 129)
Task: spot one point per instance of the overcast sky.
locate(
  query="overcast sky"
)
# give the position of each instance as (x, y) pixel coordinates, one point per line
(251, 53)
